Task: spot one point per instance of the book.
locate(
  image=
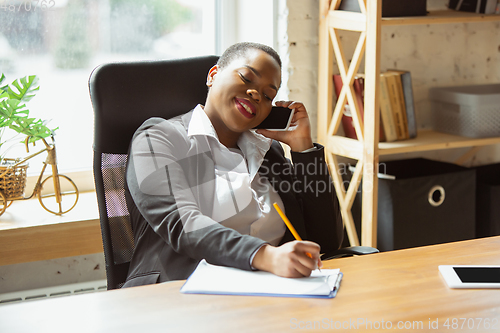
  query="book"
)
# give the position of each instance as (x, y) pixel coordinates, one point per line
(386, 115)
(359, 89)
(397, 102)
(411, 119)
(347, 120)
(221, 280)
(401, 101)
(490, 7)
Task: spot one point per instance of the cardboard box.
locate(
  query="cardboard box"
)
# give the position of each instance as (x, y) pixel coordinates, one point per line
(472, 111)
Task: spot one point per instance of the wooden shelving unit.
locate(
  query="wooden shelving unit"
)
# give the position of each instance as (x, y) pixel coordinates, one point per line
(366, 150)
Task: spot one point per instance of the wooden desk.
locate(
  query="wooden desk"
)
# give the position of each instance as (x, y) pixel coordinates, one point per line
(401, 287)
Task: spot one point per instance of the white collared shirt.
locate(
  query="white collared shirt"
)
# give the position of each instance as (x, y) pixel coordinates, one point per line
(243, 200)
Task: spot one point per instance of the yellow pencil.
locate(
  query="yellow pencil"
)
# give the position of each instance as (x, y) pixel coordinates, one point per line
(287, 222)
(289, 225)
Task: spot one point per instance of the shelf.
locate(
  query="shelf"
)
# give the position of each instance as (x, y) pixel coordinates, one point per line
(426, 140)
(441, 17)
(345, 20)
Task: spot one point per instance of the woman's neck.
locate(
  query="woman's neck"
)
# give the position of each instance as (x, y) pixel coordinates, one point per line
(230, 141)
(226, 137)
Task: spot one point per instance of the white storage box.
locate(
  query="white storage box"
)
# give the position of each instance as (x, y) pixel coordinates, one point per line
(472, 111)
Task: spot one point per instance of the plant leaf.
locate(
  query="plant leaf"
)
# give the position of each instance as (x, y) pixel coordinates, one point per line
(12, 108)
(13, 111)
(3, 95)
(34, 128)
(26, 88)
(3, 88)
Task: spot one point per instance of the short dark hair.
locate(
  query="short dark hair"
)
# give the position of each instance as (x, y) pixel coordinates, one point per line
(239, 50)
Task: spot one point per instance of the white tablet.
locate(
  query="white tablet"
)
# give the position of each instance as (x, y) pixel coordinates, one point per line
(471, 276)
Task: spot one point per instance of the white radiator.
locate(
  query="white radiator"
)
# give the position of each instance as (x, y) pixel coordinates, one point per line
(56, 291)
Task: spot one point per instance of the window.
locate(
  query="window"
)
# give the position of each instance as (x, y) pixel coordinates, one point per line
(61, 41)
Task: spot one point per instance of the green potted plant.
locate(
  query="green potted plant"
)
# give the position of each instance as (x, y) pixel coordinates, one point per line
(14, 119)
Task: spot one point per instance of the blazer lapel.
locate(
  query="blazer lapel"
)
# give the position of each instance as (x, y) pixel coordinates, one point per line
(283, 185)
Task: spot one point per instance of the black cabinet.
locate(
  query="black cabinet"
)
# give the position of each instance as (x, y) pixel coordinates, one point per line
(422, 202)
(488, 200)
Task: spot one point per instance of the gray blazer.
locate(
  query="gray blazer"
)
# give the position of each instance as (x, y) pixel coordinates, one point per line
(170, 210)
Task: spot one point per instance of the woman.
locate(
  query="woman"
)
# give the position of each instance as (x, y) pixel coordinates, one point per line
(202, 184)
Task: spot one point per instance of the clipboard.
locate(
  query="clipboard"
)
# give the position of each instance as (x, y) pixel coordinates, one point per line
(220, 280)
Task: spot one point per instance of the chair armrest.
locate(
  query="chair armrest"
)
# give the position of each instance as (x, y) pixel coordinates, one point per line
(349, 251)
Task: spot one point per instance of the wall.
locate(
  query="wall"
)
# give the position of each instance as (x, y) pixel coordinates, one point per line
(297, 43)
(436, 55)
(49, 273)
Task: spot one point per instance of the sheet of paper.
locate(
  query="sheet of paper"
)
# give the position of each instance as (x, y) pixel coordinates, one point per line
(209, 278)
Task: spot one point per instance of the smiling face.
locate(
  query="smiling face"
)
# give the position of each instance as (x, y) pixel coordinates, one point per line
(241, 93)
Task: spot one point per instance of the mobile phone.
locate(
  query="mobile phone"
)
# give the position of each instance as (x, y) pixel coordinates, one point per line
(279, 119)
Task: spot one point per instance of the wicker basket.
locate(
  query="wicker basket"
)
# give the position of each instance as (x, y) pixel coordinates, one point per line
(12, 178)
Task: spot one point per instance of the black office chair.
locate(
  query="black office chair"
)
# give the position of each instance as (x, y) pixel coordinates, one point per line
(123, 96)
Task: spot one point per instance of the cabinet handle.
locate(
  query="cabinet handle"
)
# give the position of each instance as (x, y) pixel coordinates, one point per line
(432, 201)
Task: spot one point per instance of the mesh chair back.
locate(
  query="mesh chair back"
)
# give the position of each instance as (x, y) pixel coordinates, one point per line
(123, 96)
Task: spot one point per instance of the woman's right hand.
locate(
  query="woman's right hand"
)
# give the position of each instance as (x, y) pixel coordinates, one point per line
(289, 260)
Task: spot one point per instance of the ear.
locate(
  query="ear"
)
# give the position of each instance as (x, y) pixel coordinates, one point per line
(211, 75)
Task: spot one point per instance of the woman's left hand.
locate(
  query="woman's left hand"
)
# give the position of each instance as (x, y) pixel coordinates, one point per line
(298, 137)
